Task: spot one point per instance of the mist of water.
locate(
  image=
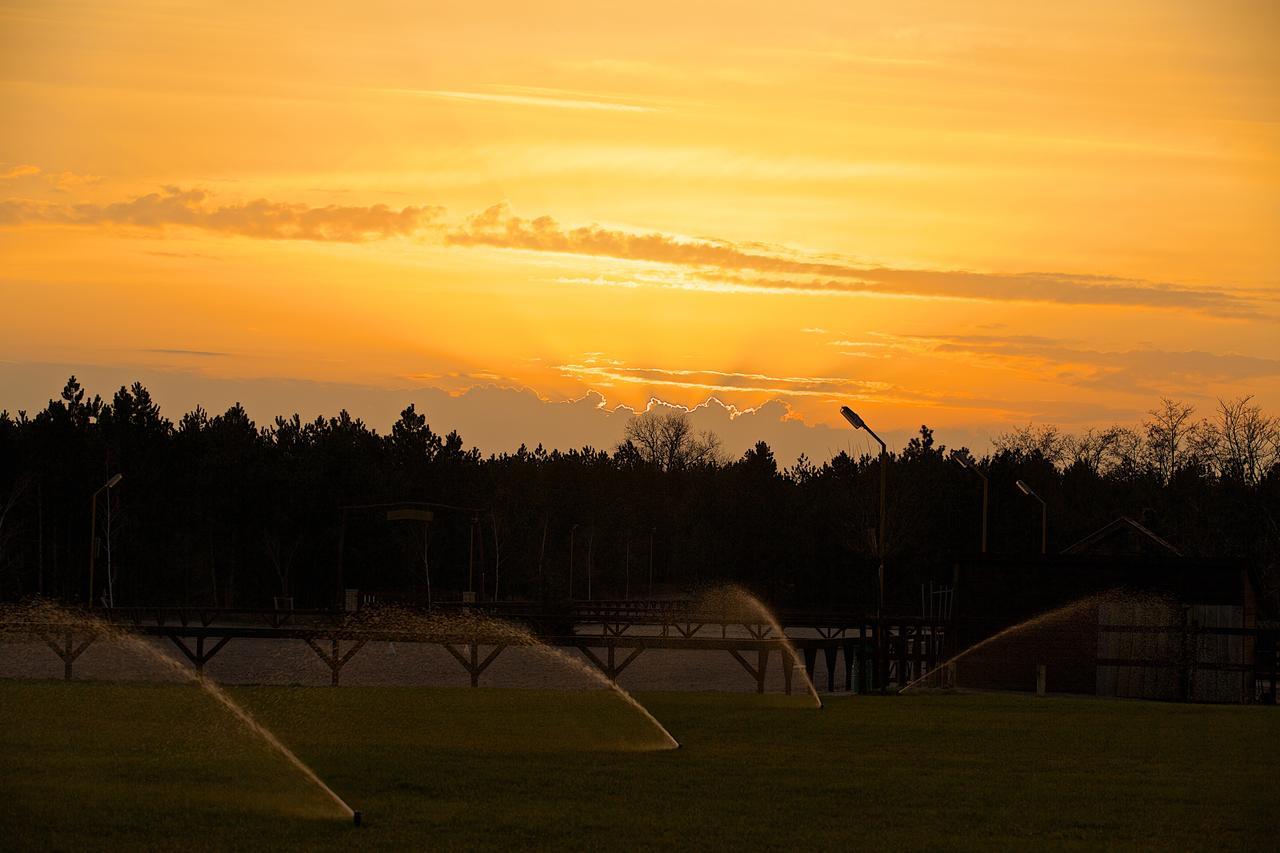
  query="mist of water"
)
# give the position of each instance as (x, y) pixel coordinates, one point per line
(735, 602)
(480, 628)
(61, 619)
(1067, 611)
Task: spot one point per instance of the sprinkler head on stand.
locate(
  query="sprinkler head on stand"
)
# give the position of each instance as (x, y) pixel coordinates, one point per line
(356, 817)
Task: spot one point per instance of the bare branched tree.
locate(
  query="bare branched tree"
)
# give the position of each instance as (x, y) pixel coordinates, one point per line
(1167, 432)
(1244, 442)
(1047, 441)
(667, 441)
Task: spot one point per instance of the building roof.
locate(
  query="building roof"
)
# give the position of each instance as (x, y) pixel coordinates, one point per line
(1122, 525)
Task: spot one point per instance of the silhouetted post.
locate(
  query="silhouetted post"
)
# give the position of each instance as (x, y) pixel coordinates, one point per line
(969, 464)
(572, 530)
(471, 559)
(342, 542)
(650, 596)
(542, 550)
(626, 571)
(591, 538)
(1044, 516)
(40, 536)
(93, 529)
(497, 555)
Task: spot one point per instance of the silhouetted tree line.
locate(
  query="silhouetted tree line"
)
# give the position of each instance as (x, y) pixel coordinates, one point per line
(217, 510)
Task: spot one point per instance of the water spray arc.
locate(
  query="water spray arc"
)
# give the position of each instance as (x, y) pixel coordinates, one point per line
(1068, 610)
(735, 598)
(479, 629)
(50, 614)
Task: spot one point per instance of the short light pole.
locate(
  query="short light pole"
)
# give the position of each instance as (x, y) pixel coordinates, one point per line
(93, 532)
(968, 464)
(1044, 516)
(858, 423)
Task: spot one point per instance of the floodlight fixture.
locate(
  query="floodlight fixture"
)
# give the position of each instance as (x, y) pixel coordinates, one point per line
(852, 417)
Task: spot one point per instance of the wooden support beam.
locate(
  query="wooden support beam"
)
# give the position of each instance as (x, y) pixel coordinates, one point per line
(848, 649)
(69, 651)
(199, 657)
(829, 652)
(635, 653)
(471, 660)
(493, 655)
(810, 661)
(748, 667)
(334, 658)
(591, 656)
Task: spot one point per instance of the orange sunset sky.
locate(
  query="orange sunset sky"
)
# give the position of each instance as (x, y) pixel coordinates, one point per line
(524, 215)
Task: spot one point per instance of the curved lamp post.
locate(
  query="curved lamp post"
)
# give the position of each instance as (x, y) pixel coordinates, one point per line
(969, 465)
(1044, 515)
(858, 423)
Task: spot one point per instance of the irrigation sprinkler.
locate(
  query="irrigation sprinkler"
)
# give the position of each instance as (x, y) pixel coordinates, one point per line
(357, 817)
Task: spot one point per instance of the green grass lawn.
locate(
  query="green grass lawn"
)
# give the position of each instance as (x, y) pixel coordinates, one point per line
(97, 766)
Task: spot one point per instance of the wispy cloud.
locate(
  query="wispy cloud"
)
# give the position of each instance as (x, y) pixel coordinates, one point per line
(67, 181)
(194, 353)
(719, 264)
(21, 170)
(1139, 371)
(684, 262)
(723, 381)
(597, 372)
(529, 97)
(259, 218)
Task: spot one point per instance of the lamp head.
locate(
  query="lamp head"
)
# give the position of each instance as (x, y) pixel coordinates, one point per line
(115, 481)
(852, 417)
(1025, 489)
(962, 460)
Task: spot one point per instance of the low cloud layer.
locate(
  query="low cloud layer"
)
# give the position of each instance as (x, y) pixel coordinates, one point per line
(719, 263)
(722, 381)
(704, 264)
(1140, 371)
(260, 218)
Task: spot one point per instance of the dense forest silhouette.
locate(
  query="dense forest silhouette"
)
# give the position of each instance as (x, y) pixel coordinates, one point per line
(215, 510)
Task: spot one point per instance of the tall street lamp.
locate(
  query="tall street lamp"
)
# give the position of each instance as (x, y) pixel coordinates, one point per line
(858, 423)
(93, 532)
(1044, 516)
(968, 464)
